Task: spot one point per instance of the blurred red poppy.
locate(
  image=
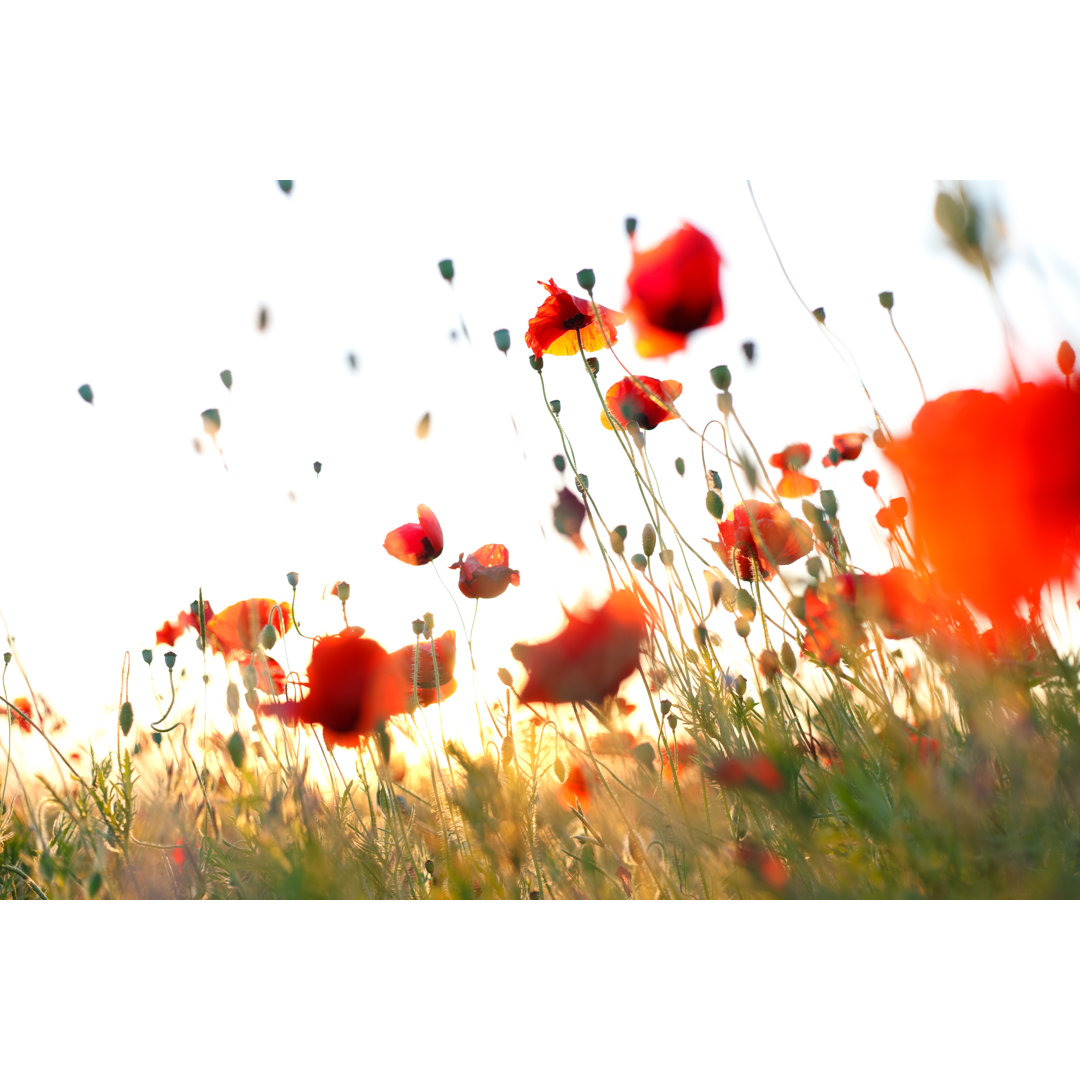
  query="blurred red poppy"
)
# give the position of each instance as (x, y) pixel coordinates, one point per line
(24, 706)
(831, 621)
(767, 866)
(870, 479)
(790, 462)
(485, 573)
(168, 633)
(761, 534)
(845, 447)
(995, 490)
(589, 659)
(412, 656)
(753, 771)
(185, 620)
(236, 630)
(269, 674)
(575, 789)
(353, 683)
(643, 400)
(674, 289)
(568, 514)
(414, 543)
(891, 517)
(561, 318)
(897, 601)
(684, 753)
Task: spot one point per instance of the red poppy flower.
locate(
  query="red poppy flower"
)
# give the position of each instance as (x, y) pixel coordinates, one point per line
(870, 479)
(416, 544)
(790, 462)
(761, 534)
(236, 630)
(891, 517)
(353, 683)
(575, 789)
(561, 317)
(674, 290)
(168, 633)
(897, 601)
(568, 515)
(830, 617)
(589, 659)
(755, 771)
(685, 753)
(845, 447)
(24, 706)
(485, 573)
(767, 866)
(445, 649)
(643, 400)
(995, 490)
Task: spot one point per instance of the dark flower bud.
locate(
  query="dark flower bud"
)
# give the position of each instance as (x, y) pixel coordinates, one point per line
(148, 656)
(559, 462)
(536, 363)
(293, 578)
(721, 377)
(587, 280)
(631, 226)
(886, 300)
(502, 341)
(819, 314)
(446, 268)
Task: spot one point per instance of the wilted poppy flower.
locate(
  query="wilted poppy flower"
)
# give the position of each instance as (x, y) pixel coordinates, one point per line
(414, 543)
(575, 789)
(588, 659)
(897, 601)
(353, 683)
(674, 289)
(790, 462)
(761, 534)
(561, 318)
(485, 573)
(236, 630)
(24, 706)
(995, 490)
(845, 447)
(419, 658)
(643, 400)
(568, 515)
(754, 771)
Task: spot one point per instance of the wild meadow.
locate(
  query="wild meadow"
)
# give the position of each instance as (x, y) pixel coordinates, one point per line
(753, 709)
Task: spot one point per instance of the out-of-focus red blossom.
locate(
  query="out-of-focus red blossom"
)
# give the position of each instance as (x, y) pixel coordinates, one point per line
(846, 447)
(756, 771)
(995, 490)
(1066, 358)
(641, 399)
(168, 633)
(445, 650)
(761, 534)
(353, 683)
(575, 789)
(897, 601)
(870, 479)
(588, 660)
(235, 631)
(568, 514)
(767, 866)
(269, 674)
(926, 747)
(685, 753)
(769, 664)
(416, 543)
(176, 853)
(674, 289)
(790, 462)
(485, 573)
(891, 517)
(831, 623)
(23, 705)
(561, 317)
(185, 620)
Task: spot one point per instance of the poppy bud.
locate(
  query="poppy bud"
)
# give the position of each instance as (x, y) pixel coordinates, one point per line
(536, 363)
(616, 542)
(556, 406)
(742, 628)
(252, 700)
(769, 664)
(787, 658)
(343, 591)
(285, 185)
(429, 623)
(819, 314)
(237, 749)
(505, 677)
(813, 566)
(648, 540)
(721, 377)
(702, 635)
(418, 626)
(828, 502)
(639, 562)
(885, 299)
(745, 603)
(127, 717)
(587, 280)
(86, 393)
(559, 462)
(631, 226)
(748, 350)
(723, 402)
(507, 750)
(1066, 358)
(667, 557)
(582, 482)
(148, 656)
(593, 365)
(317, 467)
(170, 660)
(232, 699)
(293, 578)
(156, 736)
(673, 720)
(211, 422)
(680, 466)
(250, 676)
(446, 268)
(7, 659)
(226, 378)
(268, 637)
(715, 505)
(740, 685)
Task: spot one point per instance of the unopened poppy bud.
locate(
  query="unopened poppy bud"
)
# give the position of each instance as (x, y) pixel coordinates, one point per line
(148, 656)
(648, 540)
(536, 363)
(446, 268)
(418, 626)
(560, 770)
(250, 677)
(226, 378)
(740, 685)
(343, 591)
(505, 677)
(701, 633)
(587, 280)
(723, 402)
(232, 699)
(429, 623)
(156, 736)
(268, 637)
(559, 462)
(582, 482)
(621, 530)
(211, 421)
(748, 350)
(502, 341)
(507, 751)
(787, 658)
(252, 700)
(715, 505)
(170, 659)
(680, 466)
(742, 627)
(667, 557)
(317, 467)
(828, 501)
(556, 406)
(714, 480)
(293, 578)
(593, 365)
(639, 562)
(819, 314)
(769, 664)
(7, 659)
(285, 185)
(880, 438)
(672, 721)
(745, 603)
(797, 607)
(1066, 358)
(616, 542)
(237, 749)
(630, 224)
(886, 300)
(86, 393)
(127, 717)
(813, 566)
(721, 377)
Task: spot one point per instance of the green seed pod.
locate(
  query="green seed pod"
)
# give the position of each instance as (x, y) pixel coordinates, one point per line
(715, 505)
(293, 578)
(446, 268)
(721, 377)
(885, 299)
(148, 656)
(560, 462)
(317, 467)
(616, 542)
(268, 637)
(226, 378)
(502, 341)
(748, 351)
(680, 466)
(127, 717)
(787, 658)
(418, 626)
(170, 660)
(742, 627)
(236, 748)
(819, 314)
(285, 185)
(667, 557)
(343, 591)
(86, 393)
(587, 280)
(536, 363)
(639, 562)
(648, 540)
(232, 699)
(593, 365)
